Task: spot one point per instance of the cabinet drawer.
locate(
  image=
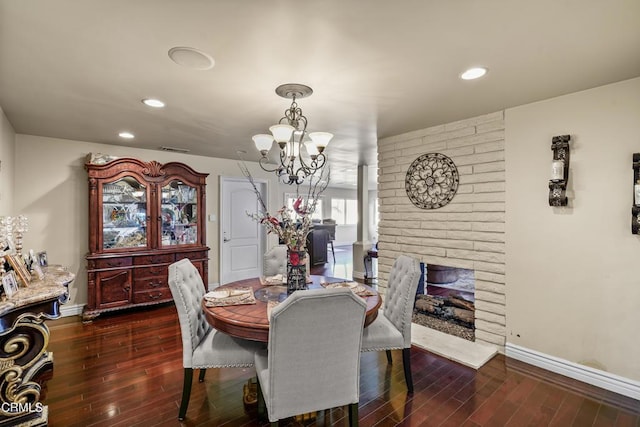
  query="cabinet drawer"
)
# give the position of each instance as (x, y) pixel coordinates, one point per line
(156, 295)
(113, 262)
(150, 283)
(191, 255)
(144, 272)
(154, 259)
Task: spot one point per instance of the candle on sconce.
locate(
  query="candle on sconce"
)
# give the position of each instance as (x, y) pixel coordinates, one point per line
(557, 170)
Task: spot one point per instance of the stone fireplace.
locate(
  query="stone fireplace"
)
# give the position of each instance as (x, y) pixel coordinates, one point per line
(468, 232)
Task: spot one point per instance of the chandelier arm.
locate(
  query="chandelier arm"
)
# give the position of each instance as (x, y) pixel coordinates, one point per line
(264, 168)
(286, 164)
(319, 161)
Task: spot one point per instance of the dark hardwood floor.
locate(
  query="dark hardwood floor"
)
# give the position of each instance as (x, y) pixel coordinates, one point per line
(126, 370)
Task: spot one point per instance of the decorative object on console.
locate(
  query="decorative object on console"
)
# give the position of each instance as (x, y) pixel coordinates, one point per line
(431, 181)
(292, 226)
(290, 133)
(17, 264)
(9, 283)
(635, 209)
(143, 216)
(12, 229)
(559, 171)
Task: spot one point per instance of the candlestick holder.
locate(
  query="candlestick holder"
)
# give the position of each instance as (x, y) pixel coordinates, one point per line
(559, 171)
(20, 226)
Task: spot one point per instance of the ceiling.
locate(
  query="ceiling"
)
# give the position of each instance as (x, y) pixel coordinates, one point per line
(79, 69)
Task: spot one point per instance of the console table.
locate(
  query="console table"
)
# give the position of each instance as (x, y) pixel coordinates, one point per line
(25, 363)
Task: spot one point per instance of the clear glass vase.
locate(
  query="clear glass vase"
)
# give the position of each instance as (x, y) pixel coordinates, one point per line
(296, 270)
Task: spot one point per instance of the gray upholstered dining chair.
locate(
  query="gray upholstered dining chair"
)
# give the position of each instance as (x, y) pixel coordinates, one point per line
(275, 261)
(392, 328)
(313, 357)
(202, 346)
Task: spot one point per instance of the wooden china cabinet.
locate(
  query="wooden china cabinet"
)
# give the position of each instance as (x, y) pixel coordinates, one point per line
(142, 217)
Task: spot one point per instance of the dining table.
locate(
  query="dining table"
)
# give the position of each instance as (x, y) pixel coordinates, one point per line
(251, 320)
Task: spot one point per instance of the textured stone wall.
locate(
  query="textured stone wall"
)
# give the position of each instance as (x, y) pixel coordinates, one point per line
(466, 233)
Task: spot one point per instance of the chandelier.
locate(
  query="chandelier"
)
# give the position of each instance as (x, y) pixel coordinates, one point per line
(291, 135)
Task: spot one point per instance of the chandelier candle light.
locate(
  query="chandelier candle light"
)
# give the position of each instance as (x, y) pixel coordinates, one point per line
(290, 133)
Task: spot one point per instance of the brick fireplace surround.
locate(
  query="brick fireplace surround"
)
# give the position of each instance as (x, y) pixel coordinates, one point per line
(466, 233)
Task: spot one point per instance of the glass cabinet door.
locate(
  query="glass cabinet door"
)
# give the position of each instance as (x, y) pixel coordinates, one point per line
(124, 214)
(179, 202)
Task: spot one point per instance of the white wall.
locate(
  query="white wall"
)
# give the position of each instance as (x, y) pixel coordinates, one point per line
(7, 161)
(573, 288)
(51, 189)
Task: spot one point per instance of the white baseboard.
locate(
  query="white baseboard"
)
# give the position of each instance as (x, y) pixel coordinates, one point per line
(71, 310)
(606, 380)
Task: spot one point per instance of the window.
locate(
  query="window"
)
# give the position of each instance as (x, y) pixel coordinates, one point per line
(290, 198)
(344, 211)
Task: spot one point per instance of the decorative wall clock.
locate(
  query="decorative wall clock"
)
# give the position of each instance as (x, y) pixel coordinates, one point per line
(432, 181)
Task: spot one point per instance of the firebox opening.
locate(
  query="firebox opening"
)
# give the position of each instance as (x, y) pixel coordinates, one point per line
(445, 301)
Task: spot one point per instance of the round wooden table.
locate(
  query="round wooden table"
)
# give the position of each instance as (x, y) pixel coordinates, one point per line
(250, 321)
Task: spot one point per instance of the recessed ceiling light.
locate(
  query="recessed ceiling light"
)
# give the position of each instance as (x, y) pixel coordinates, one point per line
(126, 135)
(191, 58)
(473, 73)
(151, 102)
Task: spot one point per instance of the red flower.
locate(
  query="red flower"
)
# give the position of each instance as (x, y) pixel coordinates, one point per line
(296, 206)
(294, 258)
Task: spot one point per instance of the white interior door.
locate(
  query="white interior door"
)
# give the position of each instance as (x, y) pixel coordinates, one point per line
(242, 238)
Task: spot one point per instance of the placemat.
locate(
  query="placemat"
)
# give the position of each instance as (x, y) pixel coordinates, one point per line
(226, 297)
(277, 280)
(357, 288)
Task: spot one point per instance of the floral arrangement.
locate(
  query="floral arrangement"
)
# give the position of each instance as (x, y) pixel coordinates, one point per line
(291, 225)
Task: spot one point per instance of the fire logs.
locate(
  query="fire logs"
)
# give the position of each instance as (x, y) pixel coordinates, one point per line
(447, 308)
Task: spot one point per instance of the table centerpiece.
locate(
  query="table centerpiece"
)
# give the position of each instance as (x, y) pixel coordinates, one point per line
(292, 225)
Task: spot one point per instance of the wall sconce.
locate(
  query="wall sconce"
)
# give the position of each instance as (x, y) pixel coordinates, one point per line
(635, 209)
(559, 171)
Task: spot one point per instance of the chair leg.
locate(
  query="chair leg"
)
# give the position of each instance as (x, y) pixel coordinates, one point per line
(332, 252)
(406, 362)
(353, 415)
(186, 393)
(201, 376)
(389, 361)
(261, 405)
